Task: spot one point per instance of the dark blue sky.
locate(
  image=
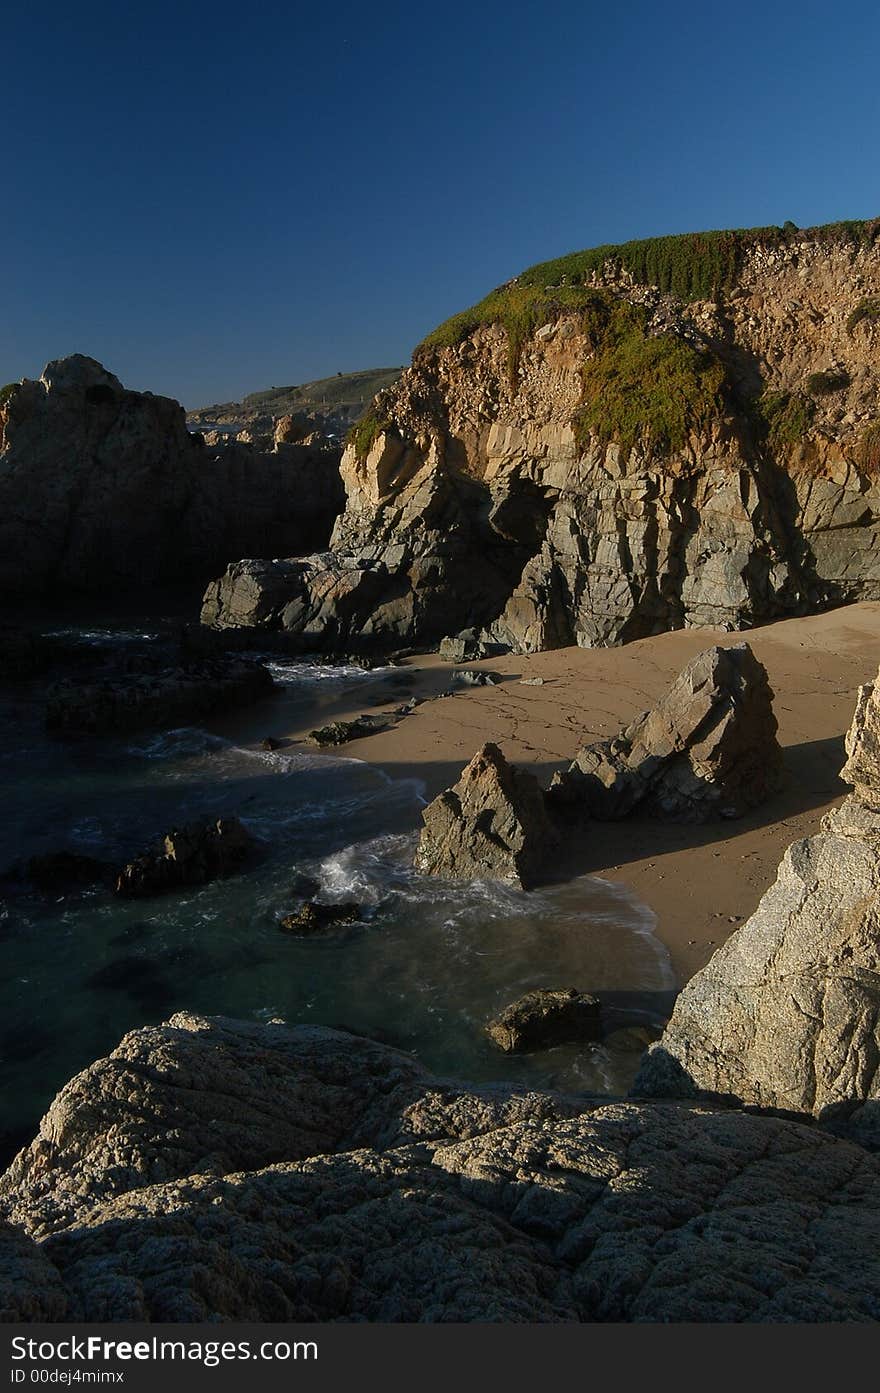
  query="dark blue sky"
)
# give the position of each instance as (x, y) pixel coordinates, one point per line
(213, 198)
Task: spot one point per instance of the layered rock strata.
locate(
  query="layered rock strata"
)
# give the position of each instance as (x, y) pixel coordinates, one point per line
(734, 479)
(102, 488)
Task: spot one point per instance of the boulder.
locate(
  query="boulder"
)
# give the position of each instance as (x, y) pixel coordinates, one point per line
(340, 732)
(465, 647)
(131, 700)
(543, 1018)
(231, 1171)
(707, 750)
(786, 1014)
(191, 855)
(65, 870)
(492, 825)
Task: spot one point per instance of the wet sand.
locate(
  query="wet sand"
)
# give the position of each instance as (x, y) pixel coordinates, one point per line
(701, 882)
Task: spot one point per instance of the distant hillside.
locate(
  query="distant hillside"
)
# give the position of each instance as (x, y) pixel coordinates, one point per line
(337, 401)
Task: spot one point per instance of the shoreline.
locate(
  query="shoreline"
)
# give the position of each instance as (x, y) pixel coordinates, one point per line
(700, 881)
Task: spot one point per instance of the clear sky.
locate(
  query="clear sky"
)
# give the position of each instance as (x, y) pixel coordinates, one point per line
(213, 198)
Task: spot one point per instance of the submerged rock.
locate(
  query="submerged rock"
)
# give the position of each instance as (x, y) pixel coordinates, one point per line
(544, 1018)
(492, 825)
(786, 1014)
(708, 749)
(315, 917)
(63, 870)
(169, 696)
(227, 1171)
(190, 855)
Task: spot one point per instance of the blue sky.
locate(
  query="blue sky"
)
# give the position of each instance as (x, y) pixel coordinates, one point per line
(214, 198)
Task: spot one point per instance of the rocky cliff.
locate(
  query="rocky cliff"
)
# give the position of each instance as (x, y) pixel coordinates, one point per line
(102, 488)
(674, 433)
(219, 1170)
(786, 1015)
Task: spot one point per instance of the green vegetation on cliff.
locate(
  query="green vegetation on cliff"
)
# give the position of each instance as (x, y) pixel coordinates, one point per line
(783, 418)
(869, 448)
(519, 310)
(365, 432)
(868, 309)
(648, 389)
(692, 265)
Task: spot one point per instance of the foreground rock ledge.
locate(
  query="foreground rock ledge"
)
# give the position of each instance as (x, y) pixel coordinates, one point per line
(218, 1170)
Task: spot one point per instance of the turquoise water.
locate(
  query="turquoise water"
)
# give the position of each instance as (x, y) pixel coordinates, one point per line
(428, 965)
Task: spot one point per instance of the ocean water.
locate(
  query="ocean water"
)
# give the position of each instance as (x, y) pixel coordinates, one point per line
(427, 965)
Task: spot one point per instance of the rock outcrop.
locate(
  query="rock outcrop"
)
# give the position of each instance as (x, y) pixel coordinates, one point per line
(492, 825)
(786, 1015)
(215, 1170)
(708, 749)
(607, 451)
(191, 855)
(543, 1018)
(102, 488)
(158, 697)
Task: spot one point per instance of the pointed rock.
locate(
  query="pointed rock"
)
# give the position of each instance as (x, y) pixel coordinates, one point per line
(492, 825)
(708, 749)
(786, 1015)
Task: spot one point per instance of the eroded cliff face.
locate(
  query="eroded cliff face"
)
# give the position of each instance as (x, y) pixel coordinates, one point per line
(786, 1015)
(481, 498)
(101, 488)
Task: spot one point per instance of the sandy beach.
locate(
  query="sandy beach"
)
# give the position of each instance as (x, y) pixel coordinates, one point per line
(701, 882)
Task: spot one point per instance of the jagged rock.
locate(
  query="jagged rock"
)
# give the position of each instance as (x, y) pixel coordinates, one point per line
(484, 473)
(129, 701)
(543, 1018)
(315, 917)
(463, 648)
(224, 1171)
(492, 825)
(191, 855)
(708, 749)
(340, 732)
(786, 1014)
(101, 487)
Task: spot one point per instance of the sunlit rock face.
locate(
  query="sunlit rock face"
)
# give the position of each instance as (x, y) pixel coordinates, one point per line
(481, 499)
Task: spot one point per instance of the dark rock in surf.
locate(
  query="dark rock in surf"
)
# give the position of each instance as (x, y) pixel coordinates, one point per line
(542, 1018)
(191, 855)
(166, 697)
(65, 870)
(314, 917)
